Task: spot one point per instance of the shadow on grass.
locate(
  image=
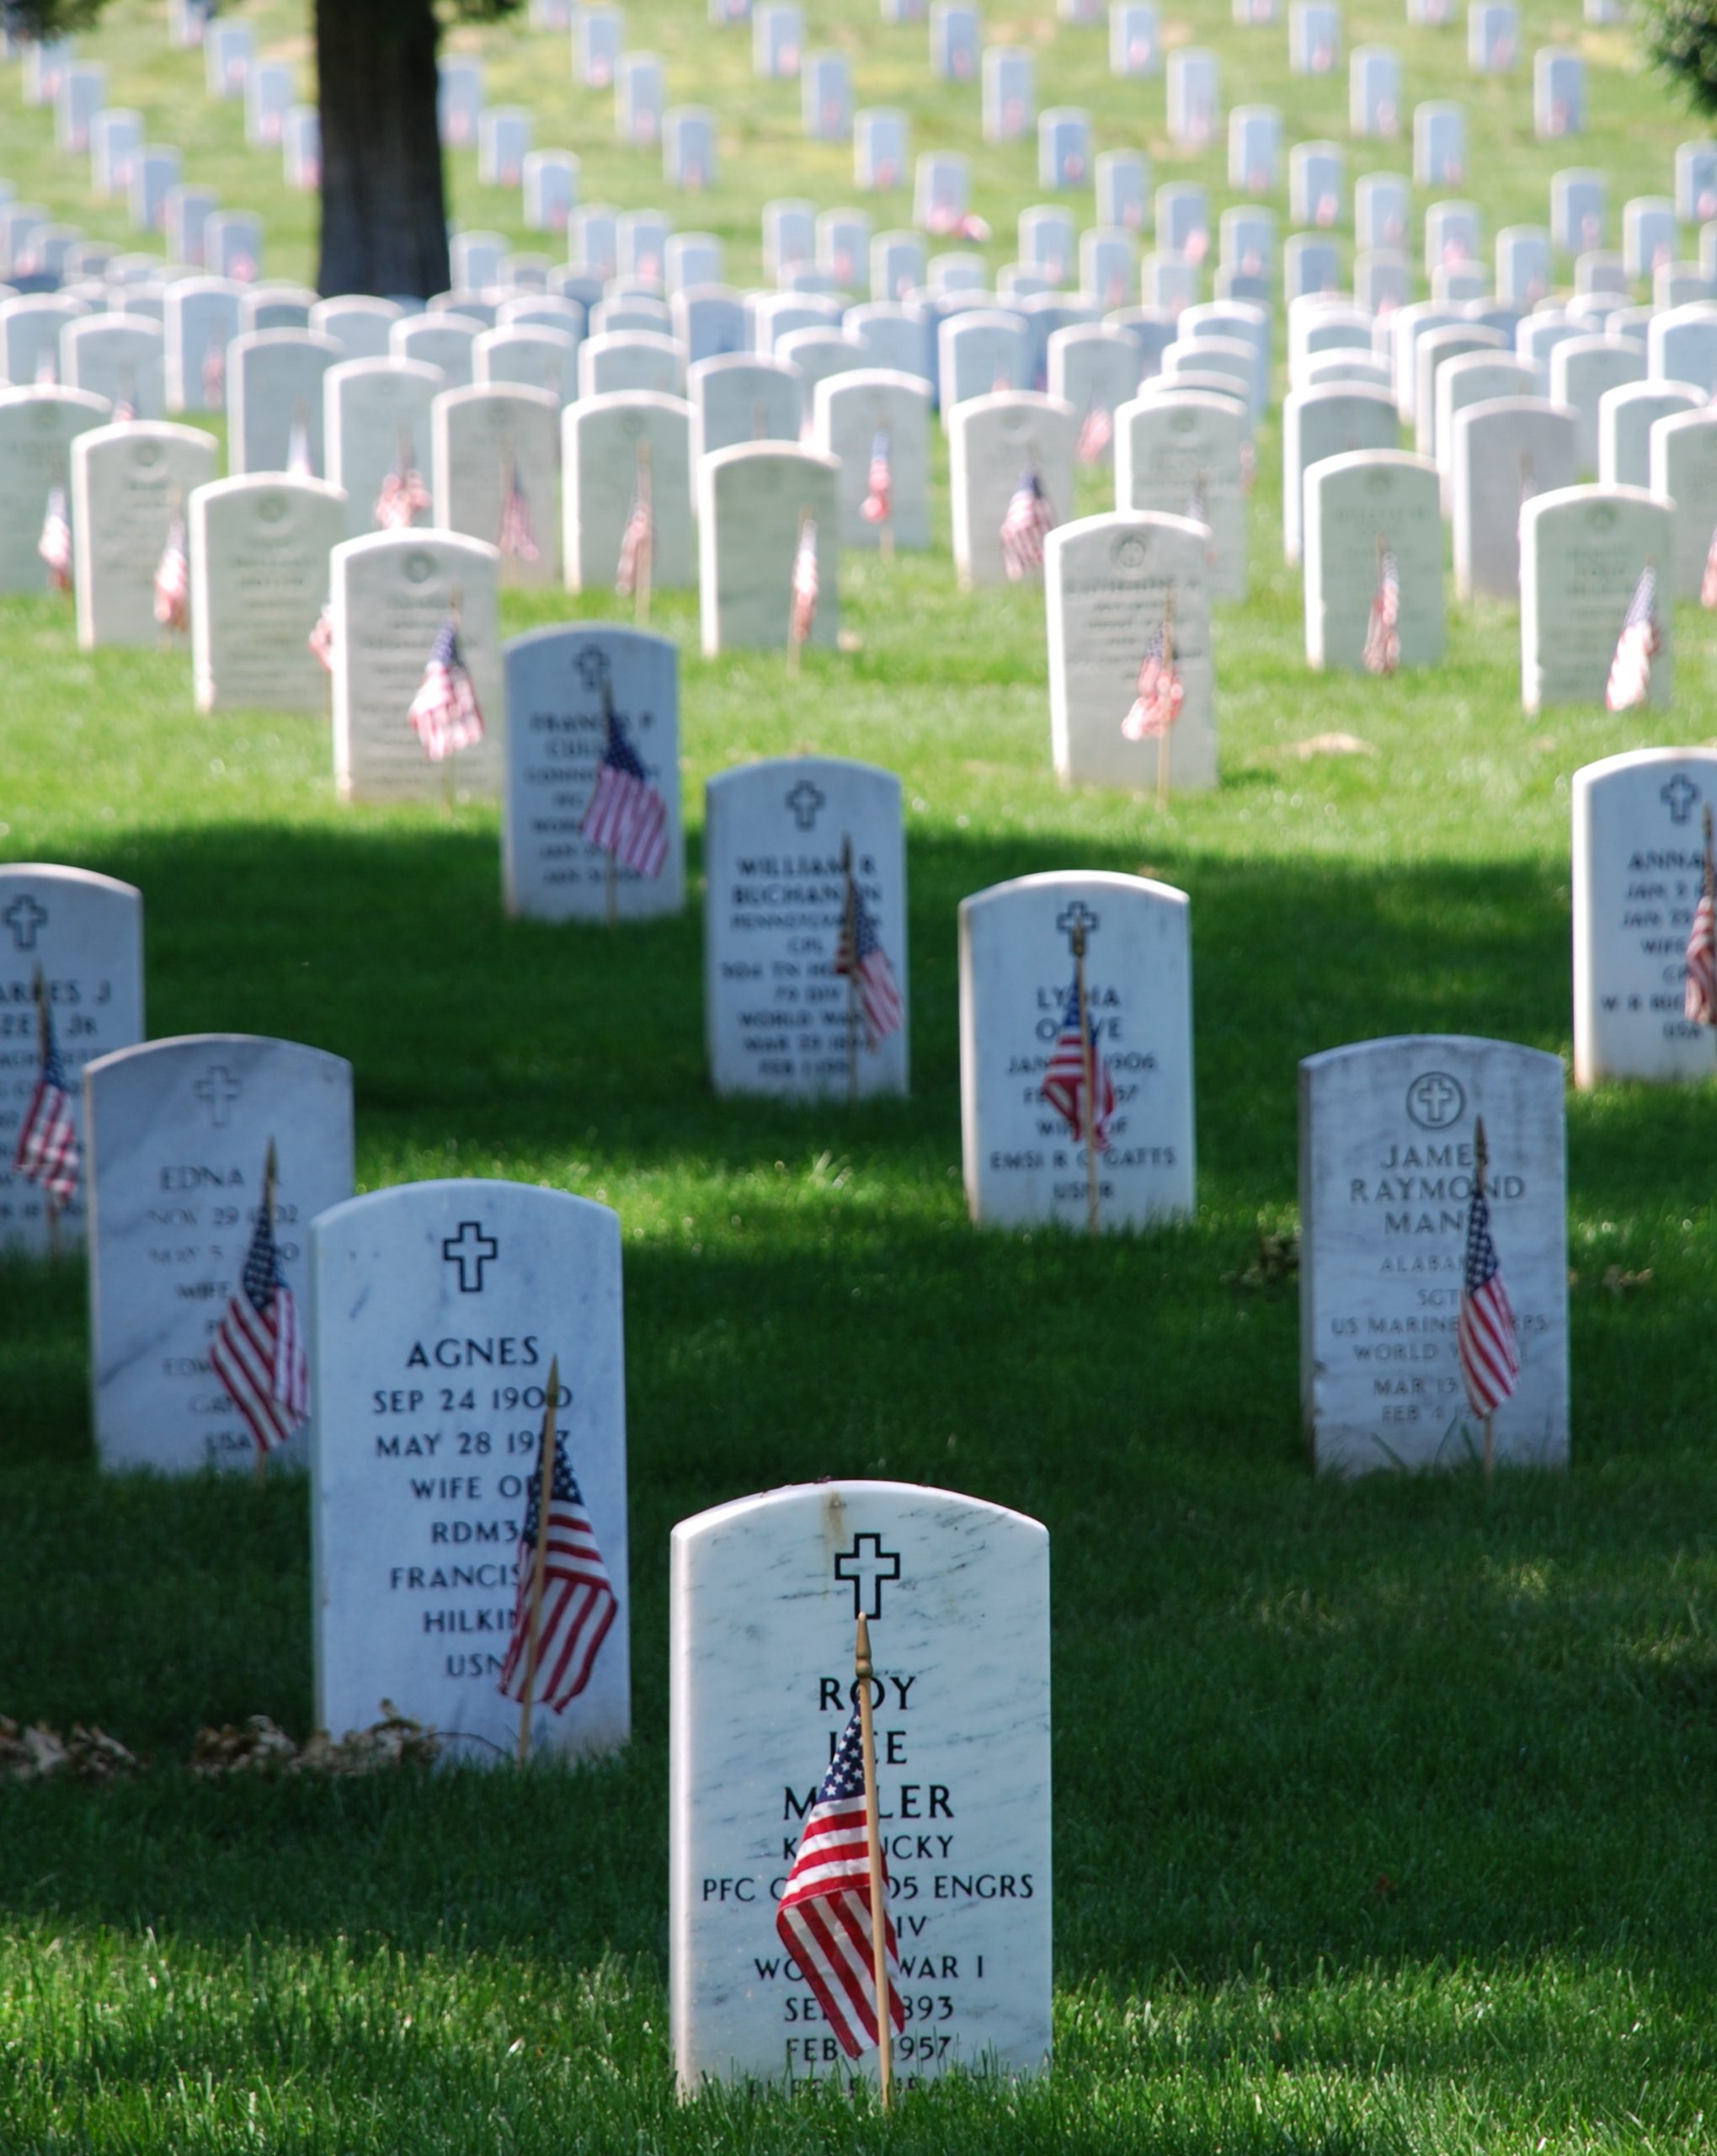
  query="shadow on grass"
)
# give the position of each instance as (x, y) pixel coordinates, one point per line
(1271, 1694)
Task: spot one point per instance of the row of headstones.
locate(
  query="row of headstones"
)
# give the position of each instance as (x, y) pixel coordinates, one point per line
(778, 1019)
(175, 1130)
(1635, 408)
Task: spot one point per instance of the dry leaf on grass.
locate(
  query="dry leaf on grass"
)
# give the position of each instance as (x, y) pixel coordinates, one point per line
(1332, 744)
(37, 1753)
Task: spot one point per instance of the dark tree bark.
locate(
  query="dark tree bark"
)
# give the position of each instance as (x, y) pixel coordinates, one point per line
(384, 212)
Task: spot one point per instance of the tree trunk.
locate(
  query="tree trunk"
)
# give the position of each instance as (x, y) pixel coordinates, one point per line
(384, 215)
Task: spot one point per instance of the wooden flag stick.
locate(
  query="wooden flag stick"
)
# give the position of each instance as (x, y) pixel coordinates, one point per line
(1710, 875)
(879, 1890)
(611, 878)
(49, 1201)
(849, 939)
(795, 636)
(647, 552)
(271, 1172)
(544, 1488)
(1163, 737)
(1481, 1160)
(1086, 1049)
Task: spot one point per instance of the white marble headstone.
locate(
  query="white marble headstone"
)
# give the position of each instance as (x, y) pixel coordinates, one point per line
(390, 592)
(37, 430)
(85, 934)
(1501, 453)
(483, 439)
(778, 1019)
(556, 730)
(259, 550)
(1581, 552)
(1639, 869)
(993, 440)
(605, 443)
(179, 1131)
(852, 411)
(1022, 1163)
(436, 1310)
(1356, 506)
(1684, 472)
(957, 1594)
(1109, 582)
(1182, 455)
(1386, 1131)
(752, 503)
(129, 483)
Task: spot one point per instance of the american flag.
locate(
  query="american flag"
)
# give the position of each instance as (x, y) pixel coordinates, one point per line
(1639, 642)
(1156, 705)
(55, 545)
(258, 1350)
(445, 710)
(1700, 1004)
(859, 956)
(300, 464)
(824, 1919)
(1708, 582)
(578, 1603)
(321, 636)
(1382, 653)
(172, 581)
(1064, 1081)
(48, 1152)
(518, 535)
(627, 816)
(403, 497)
(637, 542)
(878, 504)
(1484, 1335)
(1029, 517)
(1097, 432)
(214, 377)
(807, 581)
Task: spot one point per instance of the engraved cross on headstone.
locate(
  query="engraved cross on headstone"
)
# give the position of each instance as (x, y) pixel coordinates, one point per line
(865, 1567)
(1434, 1099)
(470, 1249)
(1071, 919)
(218, 1089)
(1678, 796)
(806, 803)
(592, 665)
(23, 916)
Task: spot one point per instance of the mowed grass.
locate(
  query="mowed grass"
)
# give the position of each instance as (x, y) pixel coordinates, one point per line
(1382, 1811)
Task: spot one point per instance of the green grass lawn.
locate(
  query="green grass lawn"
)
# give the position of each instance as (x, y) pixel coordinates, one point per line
(1384, 1813)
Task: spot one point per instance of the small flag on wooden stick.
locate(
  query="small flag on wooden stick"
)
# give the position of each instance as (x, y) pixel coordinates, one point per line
(637, 543)
(403, 497)
(1641, 639)
(55, 544)
(172, 581)
(258, 1352)
(826, 1918)
(1700, 1004)
(1030, 517)
(1485, 1335)
(1381, 653)
(48, 1154)
(445, 711)
(805, 588)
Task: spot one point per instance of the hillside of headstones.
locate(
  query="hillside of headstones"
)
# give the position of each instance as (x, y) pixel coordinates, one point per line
(316, 505)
